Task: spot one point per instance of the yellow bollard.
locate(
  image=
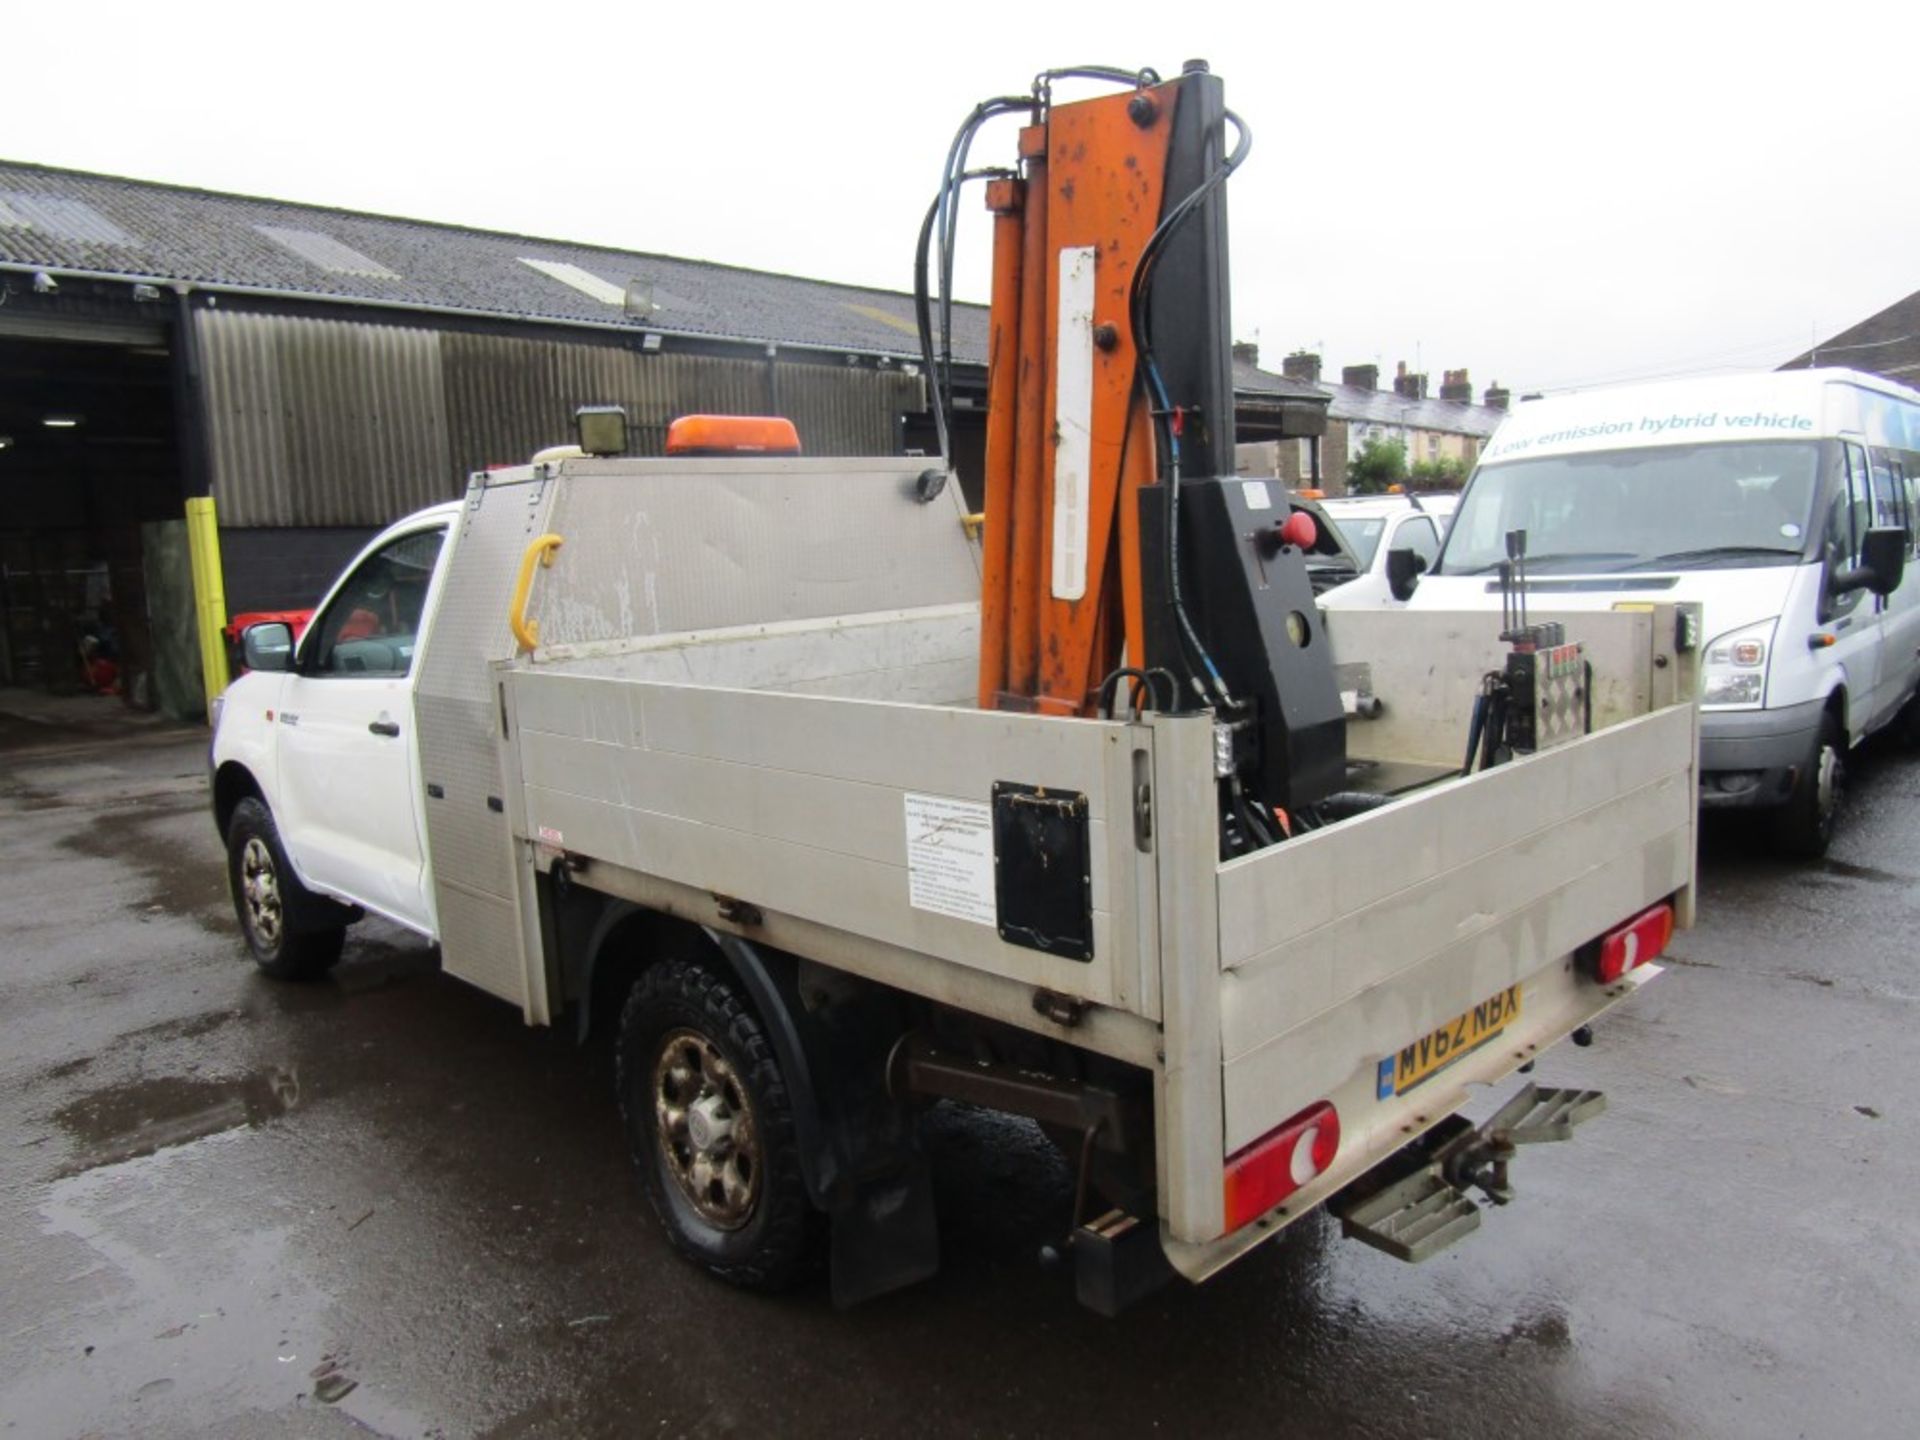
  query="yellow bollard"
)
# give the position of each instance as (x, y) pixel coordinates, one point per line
(209, 593)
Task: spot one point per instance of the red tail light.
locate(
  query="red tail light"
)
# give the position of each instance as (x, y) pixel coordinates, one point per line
(1634, 943)
(1279, 1163)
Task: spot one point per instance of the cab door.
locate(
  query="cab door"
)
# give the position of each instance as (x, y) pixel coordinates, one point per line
(1854, 619)
(348, 760)
(1900, 654)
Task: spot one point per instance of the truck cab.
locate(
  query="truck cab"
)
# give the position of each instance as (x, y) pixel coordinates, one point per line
(322, 733)
(1373, 527)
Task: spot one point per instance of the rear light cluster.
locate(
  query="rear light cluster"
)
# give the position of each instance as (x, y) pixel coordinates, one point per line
(1279, 1163)
(1639, 940)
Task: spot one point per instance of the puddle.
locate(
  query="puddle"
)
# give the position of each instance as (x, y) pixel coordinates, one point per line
(183, 881)
(124, 1122)
(193, 1027)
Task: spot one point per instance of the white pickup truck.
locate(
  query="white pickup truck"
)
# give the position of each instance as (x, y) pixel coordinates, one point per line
(686, 747)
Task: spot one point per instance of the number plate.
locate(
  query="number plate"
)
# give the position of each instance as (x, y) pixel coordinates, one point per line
(1455, 1040)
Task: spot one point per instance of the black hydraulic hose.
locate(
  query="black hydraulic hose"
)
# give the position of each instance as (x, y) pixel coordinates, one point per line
(949, 217)
(944, 222)
(1160, 404)
(1139, 79)
(938, 392)
(1474, 728)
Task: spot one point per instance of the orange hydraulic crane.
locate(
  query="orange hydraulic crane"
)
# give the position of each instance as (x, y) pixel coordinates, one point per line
(1110, 434)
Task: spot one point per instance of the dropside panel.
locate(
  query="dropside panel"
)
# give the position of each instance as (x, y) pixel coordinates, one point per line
(828, 810)
(1340, 948)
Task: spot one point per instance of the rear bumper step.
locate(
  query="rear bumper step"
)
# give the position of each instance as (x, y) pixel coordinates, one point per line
(1417, 1204)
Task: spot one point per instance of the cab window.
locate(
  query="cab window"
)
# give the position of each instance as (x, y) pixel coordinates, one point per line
(1419, 536)
(1849, 515)
(370, 627)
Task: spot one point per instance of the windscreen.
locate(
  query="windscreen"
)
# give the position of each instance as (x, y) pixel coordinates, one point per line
(1675, 507)
(1362, 536)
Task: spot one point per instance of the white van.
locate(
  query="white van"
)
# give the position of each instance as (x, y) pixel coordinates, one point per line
(1784, 503)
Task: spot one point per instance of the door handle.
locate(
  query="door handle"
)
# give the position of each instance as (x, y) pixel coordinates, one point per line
(385, 727)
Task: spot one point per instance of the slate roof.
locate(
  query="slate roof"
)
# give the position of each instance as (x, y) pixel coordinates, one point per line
(67, 219)
(74, 220)
(1250, 379)
(1383, 407)
(1886, 344)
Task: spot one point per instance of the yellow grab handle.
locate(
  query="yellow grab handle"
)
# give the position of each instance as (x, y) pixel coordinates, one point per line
(526, 631)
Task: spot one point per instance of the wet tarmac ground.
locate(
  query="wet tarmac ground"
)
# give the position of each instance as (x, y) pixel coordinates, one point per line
(382, 1205)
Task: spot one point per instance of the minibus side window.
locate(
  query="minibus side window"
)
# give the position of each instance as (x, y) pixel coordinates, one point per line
(1847, 518)
(1889, 501)
(1913, 506)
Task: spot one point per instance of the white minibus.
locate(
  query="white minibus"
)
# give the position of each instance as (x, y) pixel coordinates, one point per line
(1784, 503)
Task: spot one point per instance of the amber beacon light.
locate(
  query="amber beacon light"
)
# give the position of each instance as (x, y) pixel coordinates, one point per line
(732, 435)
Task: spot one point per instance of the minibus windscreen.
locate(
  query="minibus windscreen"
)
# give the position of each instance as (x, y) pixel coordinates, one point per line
(1674, 507)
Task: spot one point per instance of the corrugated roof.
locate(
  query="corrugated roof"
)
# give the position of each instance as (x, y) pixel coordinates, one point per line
(71, 219)
(1887, 343)
(68, 219)
(1383, 407)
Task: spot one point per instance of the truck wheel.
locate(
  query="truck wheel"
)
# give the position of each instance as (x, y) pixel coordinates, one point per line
(711, 1125)
(276, 911)
(1804, 825)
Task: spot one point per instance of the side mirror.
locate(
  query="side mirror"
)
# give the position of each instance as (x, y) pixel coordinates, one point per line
(268, 646)
(1883, 563)
(1404, 569)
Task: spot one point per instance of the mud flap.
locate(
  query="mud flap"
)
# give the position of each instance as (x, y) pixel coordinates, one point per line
(1416, 1205)
(885, 1236)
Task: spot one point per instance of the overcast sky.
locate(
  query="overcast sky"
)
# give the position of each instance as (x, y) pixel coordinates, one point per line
(1550, 195)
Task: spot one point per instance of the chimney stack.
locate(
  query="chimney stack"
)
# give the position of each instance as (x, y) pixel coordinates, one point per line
(1409, 387)
(1496, 397)
(1302, 365)
(1361, 377)
(1455, 386)
(1246, 352)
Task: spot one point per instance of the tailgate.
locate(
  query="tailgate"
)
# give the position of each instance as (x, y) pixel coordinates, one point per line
(1343, 948)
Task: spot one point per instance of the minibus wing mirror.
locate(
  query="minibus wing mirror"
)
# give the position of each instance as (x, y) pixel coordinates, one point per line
(1883, 563)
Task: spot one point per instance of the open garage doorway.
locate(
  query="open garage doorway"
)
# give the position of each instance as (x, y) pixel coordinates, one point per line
(90, 471)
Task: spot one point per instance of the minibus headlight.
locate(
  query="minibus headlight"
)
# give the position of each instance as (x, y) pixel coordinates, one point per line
(1735, 674)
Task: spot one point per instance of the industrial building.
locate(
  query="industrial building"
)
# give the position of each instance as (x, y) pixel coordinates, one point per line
(316, 373)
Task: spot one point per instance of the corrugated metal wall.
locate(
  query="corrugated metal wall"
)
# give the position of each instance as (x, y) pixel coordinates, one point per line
(331, 422)
(323, 422)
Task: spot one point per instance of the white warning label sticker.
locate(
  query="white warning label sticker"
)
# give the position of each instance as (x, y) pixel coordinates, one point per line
(950, 857)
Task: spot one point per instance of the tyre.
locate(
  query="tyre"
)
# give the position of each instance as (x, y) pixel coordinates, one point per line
(289, 929)
(1804, 825)
(710, 1120)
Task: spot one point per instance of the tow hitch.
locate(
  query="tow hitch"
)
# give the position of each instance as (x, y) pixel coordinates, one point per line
(1417, 1204)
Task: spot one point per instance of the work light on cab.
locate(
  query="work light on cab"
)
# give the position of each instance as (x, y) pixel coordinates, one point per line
(601, 429)
(1273, 1167)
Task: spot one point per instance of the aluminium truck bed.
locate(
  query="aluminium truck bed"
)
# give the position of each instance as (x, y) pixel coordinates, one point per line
(748, 706)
